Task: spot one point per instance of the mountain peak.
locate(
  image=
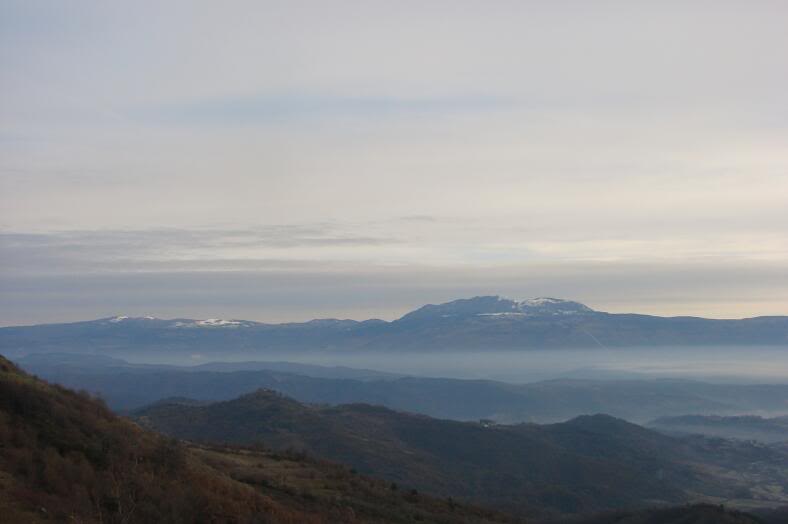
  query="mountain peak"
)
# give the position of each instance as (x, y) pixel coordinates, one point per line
(495, 305)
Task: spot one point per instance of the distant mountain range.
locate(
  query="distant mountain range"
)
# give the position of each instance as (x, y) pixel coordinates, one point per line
(479, 323)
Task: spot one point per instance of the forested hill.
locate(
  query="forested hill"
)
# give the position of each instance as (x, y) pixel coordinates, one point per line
(590, 463)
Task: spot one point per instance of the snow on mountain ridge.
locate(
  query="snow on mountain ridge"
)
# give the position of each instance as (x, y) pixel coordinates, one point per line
(540, 301)
(557, 305)
(496, 306)
(490, 306)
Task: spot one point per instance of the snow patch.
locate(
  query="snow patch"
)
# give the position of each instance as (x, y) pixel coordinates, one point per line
(122, 318)
(217, 322)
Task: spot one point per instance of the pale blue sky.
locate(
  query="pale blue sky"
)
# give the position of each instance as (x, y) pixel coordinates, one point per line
(630, 155)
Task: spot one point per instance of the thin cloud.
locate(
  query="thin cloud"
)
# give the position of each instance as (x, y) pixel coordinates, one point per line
(261, 109)
(598, 152)
(84, 251)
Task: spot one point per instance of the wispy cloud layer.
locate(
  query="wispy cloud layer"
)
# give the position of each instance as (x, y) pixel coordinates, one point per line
(576, 148)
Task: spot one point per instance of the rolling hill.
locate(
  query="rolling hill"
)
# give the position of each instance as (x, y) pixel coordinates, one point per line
(587, 464)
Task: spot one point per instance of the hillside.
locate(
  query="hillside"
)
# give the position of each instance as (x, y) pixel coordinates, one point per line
(468, 324)
(64, 457)
(590, 463)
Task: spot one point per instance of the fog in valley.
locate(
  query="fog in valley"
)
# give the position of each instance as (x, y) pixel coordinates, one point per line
(753, 364)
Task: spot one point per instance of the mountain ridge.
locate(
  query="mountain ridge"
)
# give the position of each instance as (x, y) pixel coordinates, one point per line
(478, 323)
(477, 305)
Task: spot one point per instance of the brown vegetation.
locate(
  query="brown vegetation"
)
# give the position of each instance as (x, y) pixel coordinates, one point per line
(65, 457)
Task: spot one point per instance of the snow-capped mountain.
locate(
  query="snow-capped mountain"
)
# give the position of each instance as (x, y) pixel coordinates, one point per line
(472, 324)
(496, 306)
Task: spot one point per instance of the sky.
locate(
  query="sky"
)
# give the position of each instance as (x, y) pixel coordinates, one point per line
(281, 161)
